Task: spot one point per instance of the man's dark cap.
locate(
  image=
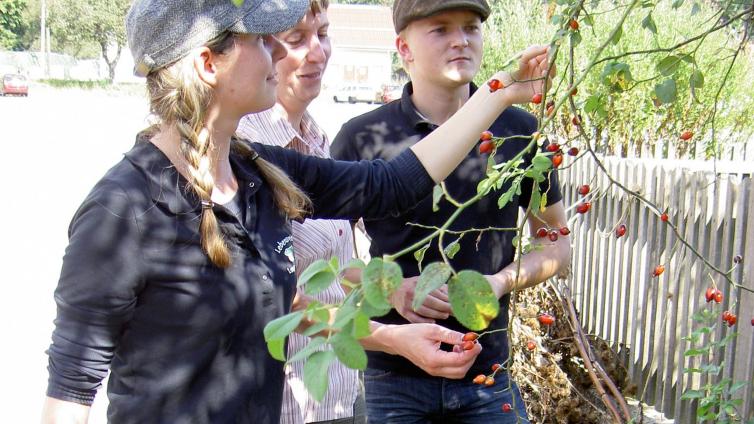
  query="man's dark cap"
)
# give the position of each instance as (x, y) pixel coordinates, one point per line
(407, 11)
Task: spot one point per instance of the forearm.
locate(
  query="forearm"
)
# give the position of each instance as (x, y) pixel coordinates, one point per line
(380, 338)
(56, 411)
(442, 150)
(545, 260)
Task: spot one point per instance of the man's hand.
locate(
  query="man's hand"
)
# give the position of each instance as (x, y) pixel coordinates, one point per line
(420, 344)
(531, 77)
(436, 305)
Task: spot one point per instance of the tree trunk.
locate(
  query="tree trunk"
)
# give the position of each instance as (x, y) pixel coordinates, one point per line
(111, 64)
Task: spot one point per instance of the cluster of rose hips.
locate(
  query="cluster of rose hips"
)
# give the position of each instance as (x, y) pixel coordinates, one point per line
(730, 318)
(552, 234)
(584, 207)
(557, 157)
(713, 294)
(487, 145)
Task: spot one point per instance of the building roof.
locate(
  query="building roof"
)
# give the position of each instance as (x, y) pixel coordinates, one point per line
(361, 27)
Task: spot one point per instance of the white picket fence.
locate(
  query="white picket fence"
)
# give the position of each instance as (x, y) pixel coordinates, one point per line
(612, 281)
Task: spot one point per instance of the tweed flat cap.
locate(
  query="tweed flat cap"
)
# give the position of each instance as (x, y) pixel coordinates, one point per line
(160, 32)
(406, 11)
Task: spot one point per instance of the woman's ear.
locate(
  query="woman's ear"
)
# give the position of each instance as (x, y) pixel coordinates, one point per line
(205, 65)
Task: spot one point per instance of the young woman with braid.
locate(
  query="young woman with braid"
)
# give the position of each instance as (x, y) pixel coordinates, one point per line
(180, 254)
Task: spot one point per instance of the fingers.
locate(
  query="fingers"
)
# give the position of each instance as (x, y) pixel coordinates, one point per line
(416, 318)
(452, 364)
(532, 52)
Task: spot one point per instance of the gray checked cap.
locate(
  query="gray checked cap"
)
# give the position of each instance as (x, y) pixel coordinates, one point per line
(162, 31)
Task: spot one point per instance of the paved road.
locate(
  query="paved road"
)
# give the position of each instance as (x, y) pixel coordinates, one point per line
(55, 146)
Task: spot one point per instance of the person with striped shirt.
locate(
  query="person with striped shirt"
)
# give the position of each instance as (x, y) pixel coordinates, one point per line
(288, 124)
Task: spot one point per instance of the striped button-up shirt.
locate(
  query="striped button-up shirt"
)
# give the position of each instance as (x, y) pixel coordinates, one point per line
(312, 240)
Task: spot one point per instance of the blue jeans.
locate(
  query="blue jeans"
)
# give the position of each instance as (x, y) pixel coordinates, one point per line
(396, 398)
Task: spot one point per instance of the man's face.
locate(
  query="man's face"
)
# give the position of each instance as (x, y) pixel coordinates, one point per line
(444, 49)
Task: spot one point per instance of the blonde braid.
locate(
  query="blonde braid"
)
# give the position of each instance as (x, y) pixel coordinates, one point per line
(179, 98)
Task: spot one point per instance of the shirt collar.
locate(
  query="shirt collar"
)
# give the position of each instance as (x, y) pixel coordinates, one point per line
(168, 187)
(270, 127)
(416, 119)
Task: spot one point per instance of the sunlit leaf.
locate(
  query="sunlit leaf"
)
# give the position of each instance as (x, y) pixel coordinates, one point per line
(315, 373)
(472, 300)
(311, 347)
(669, 65)
(349, 351)
(453, 248)
(419, 255)
(432, 278)
(649, 23)
(437, 194)
(317, 277)
(666, 91)
(280, 328)
(380, 279)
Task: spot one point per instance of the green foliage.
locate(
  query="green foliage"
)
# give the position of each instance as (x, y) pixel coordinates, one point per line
(12, 24)
(473, 302)
(653, 95)
(715, 398)
(80, 23)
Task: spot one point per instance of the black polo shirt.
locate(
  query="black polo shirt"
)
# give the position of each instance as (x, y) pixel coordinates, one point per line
(183, 338)
(384, 133)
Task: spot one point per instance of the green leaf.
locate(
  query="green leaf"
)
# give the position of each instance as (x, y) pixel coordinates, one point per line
(697, 79)
(649, 23)
(669, 65)
(506, 197)
(280, 328)
(433, 277)
(616, 37)
(419, 255)
(666, 91)
(345, 314)
(737, 386)
(575, 37)
(277, 349)
(349, 351)
(238, 3)
(472, 300)
(380, 279)
(617, 76)
(356, 263)
(692, 394)
(437, 194)
(695, 8)
(486, 184)
(374, 311)
(541, 163)
(695, 352)
(310, 348)
(678, 3)
(361, 326)
(317, 277)
(315, 329)
(453, 247)
(315, 373)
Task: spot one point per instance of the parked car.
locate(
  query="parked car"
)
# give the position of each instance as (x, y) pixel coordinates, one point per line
(14, 84)
(355, 93)
(390, 93)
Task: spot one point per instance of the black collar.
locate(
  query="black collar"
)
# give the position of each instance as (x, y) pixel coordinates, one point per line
(408, 108)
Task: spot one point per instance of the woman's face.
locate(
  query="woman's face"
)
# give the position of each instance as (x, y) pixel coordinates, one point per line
(248, 82)
(308, 46)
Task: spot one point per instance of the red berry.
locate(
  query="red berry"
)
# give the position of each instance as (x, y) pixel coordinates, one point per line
(480, 379)
(584, 189)
(732, 320)
(557, 160)
(489, 381)
(573, 151)
(659, 269)
(468, 345)
(553, 147)
(495, 367)
(486, 135)
(553, 236)
(583, 207)
(531, 345)
(470, 336)
(564, 230)
(686, 135)
(494, 84)
(738, 259)
(709, 295)
(620, 231)
(486, 147)
(664, 217)
(542, 232)
(537, 98)
(718, 296)
(576, 120)
(574, 24)
(546, 319)
(574, 91)
(726, 315)
(506, 407)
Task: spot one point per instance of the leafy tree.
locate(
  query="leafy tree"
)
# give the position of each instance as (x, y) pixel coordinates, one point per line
(12, 24)
(77, 23)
